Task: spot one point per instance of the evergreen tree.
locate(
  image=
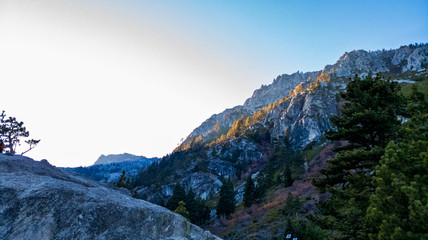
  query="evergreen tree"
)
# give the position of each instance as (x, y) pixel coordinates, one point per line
(292, 205)
(204, 211)
(399, 207)
(191, 206)
(178, 195)
(287, 179)
(249, 192)
(260, 189)
(123, 181)
(181, 209)
(288, 159)
(11, 130)
(226, 202)
(369, 120)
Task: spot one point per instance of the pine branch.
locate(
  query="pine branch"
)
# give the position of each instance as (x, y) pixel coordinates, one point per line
(33, 143)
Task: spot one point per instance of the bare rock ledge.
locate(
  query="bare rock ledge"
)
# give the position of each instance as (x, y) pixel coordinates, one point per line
(39, 201)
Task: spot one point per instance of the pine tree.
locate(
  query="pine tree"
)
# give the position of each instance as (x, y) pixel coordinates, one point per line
(292, 205)
(249, 192)
(226, 202)
(12, 130)
(287, 179)
(399, 207)
(369, 120)
(203, 211)
(191, 206)
(123, 181)
(260, 189)
(181, 209)
(178, 194)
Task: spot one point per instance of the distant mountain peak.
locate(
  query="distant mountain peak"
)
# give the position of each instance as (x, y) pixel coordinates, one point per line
(117, 158)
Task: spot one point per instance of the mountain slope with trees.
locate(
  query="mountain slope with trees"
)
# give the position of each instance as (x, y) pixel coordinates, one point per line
(109, 168)
(282, 146)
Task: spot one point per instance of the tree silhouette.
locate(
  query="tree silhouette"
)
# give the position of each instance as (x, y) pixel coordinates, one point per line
(178, 194)
(249, 192)
(12, 130)
(226, 203)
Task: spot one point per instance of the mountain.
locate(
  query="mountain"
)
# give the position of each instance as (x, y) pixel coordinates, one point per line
(39, 201)
(280, 128)
(400, 64)
(109, 168)
(125, 157)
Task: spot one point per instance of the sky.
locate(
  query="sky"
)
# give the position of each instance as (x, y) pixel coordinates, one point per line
(92, 77)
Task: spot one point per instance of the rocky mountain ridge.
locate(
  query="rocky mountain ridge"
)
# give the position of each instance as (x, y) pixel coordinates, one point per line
(39, 201)
(295, 108)
(395, 63)
(124, 157)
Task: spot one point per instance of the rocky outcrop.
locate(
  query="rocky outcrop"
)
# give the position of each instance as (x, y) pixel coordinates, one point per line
(279, 88)
(406, 58)
(214, 126)
(39, 201)
(413, 58)
(204, 185)
(305, 117)
(301, 115)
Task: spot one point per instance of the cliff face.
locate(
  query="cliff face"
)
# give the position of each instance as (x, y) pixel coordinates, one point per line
(403, 59)
(306, 116)
(39, 201)
(294, 107)
(279, 88)
(397, 64)
(215, 126)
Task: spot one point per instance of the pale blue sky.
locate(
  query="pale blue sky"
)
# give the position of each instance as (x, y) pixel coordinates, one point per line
(309, 34)
(102, 76)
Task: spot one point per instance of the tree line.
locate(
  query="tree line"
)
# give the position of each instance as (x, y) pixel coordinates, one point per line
(378, 180)
(188, 205)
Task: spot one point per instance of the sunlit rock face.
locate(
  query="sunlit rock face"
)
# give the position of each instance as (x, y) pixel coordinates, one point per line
(305, 104)
(215, 126)
(406, 58)
(39, 201)
(413, 58)
(305, 117)
(279, 88)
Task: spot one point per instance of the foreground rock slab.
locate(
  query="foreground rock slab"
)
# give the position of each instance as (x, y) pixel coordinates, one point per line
(39, 201)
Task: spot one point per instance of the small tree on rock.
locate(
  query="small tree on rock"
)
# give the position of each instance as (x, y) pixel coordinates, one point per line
(11, 130)
(181, 209)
